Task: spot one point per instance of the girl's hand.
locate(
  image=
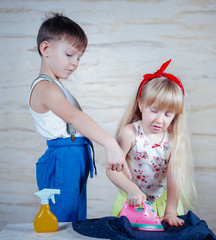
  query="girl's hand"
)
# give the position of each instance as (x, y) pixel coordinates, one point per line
(172, 220)
(135, 197)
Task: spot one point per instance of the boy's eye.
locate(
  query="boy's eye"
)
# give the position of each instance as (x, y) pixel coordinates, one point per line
(72, 55)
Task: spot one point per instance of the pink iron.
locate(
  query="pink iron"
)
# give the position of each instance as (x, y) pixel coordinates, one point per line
(143, 217)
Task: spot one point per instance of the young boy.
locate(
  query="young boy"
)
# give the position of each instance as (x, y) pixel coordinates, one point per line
(67, 161)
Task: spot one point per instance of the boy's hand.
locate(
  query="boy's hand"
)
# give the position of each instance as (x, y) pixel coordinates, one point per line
(172, 220)
(115, 159)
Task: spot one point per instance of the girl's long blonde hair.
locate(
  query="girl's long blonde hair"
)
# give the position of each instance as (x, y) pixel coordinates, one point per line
(168, 96)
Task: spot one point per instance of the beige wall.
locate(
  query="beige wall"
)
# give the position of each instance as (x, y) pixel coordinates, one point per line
(126, 40)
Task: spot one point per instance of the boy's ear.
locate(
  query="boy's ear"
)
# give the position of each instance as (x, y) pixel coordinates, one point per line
(44, 48)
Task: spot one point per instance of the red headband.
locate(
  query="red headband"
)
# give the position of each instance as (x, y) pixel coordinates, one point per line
(160, 73)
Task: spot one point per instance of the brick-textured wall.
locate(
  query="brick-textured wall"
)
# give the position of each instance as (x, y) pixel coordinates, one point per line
(126, 40)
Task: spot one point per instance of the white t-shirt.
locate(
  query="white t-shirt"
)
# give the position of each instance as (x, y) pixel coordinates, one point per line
(49, 124)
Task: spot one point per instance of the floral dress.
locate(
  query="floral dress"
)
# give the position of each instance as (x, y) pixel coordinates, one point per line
(148, 163)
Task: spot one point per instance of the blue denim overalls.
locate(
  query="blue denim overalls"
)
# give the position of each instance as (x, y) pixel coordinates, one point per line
(66, 165)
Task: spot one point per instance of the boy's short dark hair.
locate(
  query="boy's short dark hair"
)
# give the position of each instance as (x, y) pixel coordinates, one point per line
(58, 26)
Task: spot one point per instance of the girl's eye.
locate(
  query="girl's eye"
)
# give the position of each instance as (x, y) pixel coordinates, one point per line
(169, 114)
(154, 110)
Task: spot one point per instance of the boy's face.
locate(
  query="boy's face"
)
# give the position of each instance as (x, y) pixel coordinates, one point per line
(62, 58)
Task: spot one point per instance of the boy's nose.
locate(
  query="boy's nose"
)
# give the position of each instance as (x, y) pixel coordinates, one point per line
(74, 62)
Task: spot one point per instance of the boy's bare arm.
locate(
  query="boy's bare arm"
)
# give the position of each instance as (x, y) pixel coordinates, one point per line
(52, 97)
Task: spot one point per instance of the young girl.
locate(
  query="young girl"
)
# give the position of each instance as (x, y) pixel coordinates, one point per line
(67, 162)
(154, 139)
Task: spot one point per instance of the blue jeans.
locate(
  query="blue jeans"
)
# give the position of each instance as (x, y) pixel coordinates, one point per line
(66, 166)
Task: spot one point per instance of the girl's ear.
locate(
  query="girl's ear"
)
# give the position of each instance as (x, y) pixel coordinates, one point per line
(170, 128)
(140, 105)
(44, 48)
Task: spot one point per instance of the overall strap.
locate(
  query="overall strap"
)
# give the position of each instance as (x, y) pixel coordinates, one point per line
(70, 129)
(43, 76)
(48, 78)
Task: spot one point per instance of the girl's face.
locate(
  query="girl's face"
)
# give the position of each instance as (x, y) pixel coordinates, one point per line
(63, 58)
(154, 120)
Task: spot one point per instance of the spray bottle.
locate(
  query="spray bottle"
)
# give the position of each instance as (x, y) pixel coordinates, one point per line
(45, 220)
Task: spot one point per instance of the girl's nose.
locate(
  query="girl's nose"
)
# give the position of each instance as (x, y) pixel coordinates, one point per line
(160, 117)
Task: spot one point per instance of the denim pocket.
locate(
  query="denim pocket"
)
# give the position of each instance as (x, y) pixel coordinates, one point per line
(41, 175)
(45, 171)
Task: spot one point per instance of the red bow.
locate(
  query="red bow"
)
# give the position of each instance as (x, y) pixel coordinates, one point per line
(160, 73)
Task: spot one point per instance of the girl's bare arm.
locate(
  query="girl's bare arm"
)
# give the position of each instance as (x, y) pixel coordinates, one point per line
(172, 202)
(135, 195)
